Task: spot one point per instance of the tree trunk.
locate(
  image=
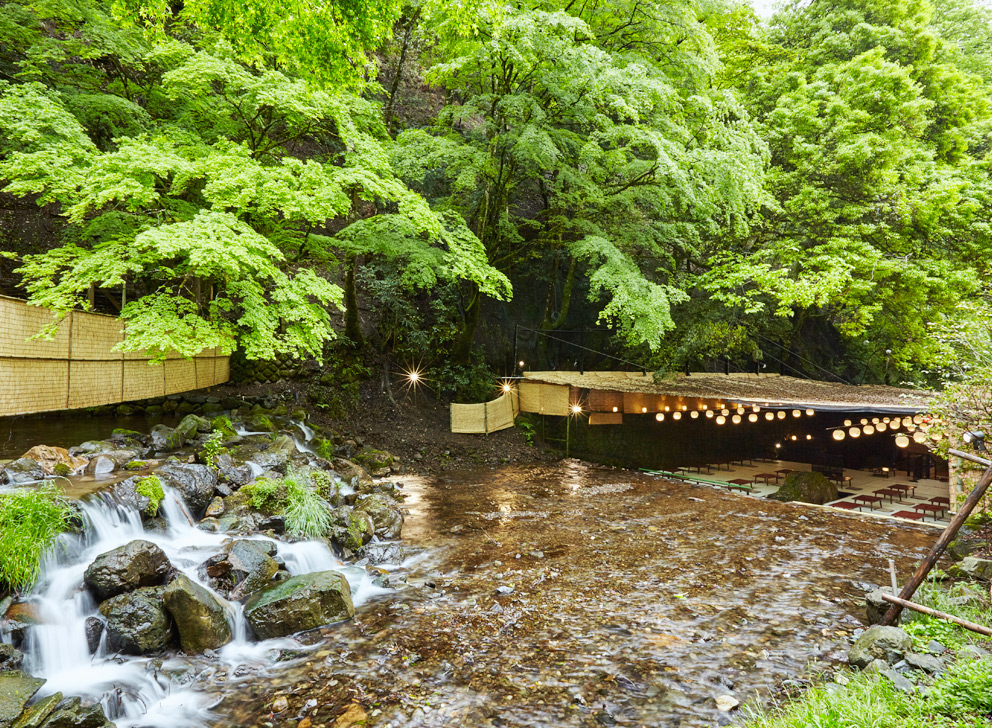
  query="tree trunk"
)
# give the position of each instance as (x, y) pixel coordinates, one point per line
(461, 353)
(352, 324)
(394, 87)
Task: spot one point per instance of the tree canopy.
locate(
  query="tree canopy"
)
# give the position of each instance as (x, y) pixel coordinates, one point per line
(813, 190)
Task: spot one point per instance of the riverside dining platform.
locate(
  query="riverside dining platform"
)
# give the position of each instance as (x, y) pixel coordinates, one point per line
(861, 491)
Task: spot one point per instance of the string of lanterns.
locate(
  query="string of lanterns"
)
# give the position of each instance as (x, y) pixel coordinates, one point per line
(876, 425)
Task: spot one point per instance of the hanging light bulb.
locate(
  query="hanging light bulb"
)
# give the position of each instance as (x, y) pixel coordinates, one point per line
(676, 415)
(644, 410)
(740, 410)
(752, 417)
(694, 414)
(721, 419)
(725, 412)
(839, 434)
(614, 409)
(881, 427)
(709, 414)
(907, 421)
(895, 424)
(756, 408)
(920, 436)
(660, 417)
(886, 420)
(854, 432)
(793, 438)
(810, 412)
(847, 423)
(684, 408)
(918, 419)
(869, 430)
(781, 414)
(874, 420)
(667, 408)
(736, 419)
(797, 413)
(864, 421)
(902, 441)
(809, 437)
(769, 416)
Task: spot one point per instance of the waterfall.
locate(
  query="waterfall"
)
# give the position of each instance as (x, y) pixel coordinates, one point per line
(139, 691)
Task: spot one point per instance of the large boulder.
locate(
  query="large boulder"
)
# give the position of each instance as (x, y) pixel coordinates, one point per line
(125, 568)
(231, 472)
(165, 439)
(276, 455)
(16, 690)
(806, 487)
(880, 643)
(350, 529)
(300, 603)
(192, 426)
(199, 616)
(352, 474)
(55, 460)
(962, 547)
(71, 713)
(126, 493)
(252, 567)
(137, 622)
(22, 470)
(195, 482)
(36, 715)
(973, 567)
(386, 517)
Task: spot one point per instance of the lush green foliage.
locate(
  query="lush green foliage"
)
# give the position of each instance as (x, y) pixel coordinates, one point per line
(213, 446)
(298, 497)
(30, 522)
(151, 488)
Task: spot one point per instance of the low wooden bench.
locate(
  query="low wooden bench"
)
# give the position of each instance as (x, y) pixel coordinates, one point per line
(845, 505)
(739, 484)
(908, 515)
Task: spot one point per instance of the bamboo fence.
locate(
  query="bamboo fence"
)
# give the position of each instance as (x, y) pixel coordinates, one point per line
(79, 368)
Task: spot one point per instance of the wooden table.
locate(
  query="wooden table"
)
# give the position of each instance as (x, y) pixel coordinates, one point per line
(909, 515)
(783, 472)
(766, 477)
(941, 501)
(931, 508)
(721, 466)
(739, 484)
(882, 472)
(867, 500)
(891, 493)
(846, 505)
(697, 468)
(904, 487)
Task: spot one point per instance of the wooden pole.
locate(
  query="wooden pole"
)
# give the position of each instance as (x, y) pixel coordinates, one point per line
(981, 629)
(943, 542)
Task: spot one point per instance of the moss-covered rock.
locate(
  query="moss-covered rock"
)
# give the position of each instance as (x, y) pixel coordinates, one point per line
(199, 616)
(133, 465)
(137, 622)
(300, 603)
(806, 487)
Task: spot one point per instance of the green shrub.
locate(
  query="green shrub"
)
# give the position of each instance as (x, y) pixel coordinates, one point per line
(151, 488)
(966, 688)
(266, 494)
(30, 522)
(323, 447)
(307, 514)
(298, 497)
(212, 448)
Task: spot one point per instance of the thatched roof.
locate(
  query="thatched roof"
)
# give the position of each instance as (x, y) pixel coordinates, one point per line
(766, 390)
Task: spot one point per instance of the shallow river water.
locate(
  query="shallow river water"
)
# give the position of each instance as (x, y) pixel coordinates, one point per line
(574, 595)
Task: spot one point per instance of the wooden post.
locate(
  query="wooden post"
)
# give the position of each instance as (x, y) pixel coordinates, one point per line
(981, 629)
(944, 541)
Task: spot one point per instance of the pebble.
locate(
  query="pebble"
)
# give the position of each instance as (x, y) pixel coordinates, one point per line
(280, 704)
(504, 590)
(727, 702)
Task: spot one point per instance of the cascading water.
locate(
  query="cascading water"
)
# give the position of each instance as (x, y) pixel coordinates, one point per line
(140, 691)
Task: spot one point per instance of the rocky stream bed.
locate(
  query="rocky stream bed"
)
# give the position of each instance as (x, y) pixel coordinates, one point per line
(559, 594)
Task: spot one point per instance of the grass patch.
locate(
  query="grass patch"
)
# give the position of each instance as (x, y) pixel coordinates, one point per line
(151, 488)
(298, 497)
(30, 522)
(962, 599)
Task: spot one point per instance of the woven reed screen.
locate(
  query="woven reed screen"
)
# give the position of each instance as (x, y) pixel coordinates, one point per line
(484, 418)
(79, 367)
(544, 399)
